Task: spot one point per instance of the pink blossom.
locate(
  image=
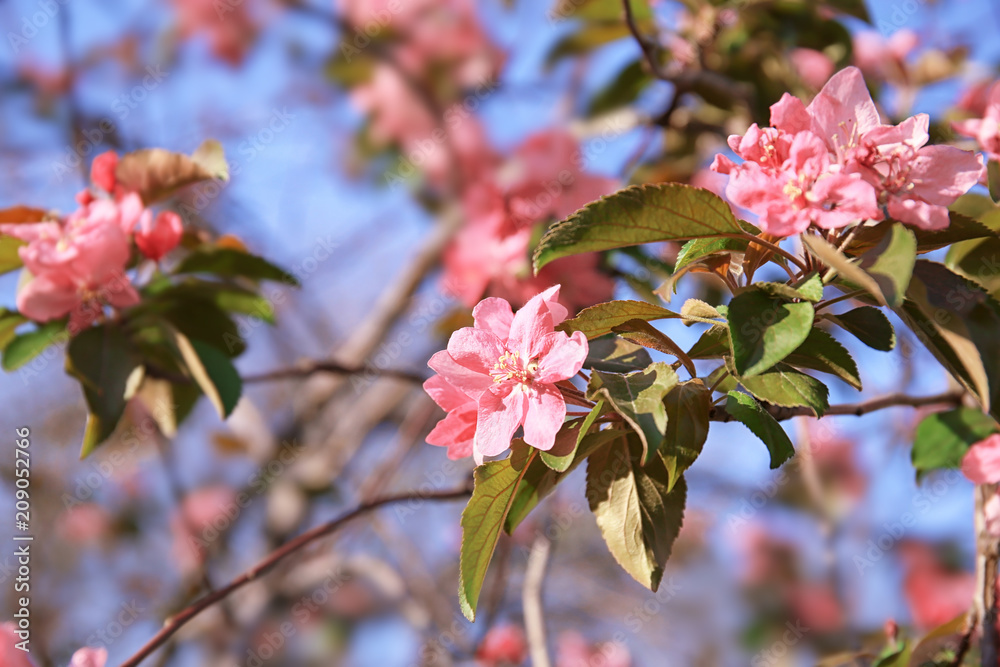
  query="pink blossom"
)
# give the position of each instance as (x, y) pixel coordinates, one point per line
(881, 57)
(510, 364)
(156, 238)
(102, 171)
(817, 606)
(985, 130)
(84, 524)
(230, 30)
(78, 265)
(502, 645)
(935, 594)
(203, 515)
(813, 67)
(89, 657)
(981, 463)
(457, 430)
(573, 650)
(10, 655)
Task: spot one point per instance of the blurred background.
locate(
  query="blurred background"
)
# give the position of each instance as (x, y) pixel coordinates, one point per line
(399, 157)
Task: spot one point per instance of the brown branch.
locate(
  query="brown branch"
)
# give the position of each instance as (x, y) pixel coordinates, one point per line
(953, 398)
(649, 48)
(534, 615)
(315, 367)
(176, 622)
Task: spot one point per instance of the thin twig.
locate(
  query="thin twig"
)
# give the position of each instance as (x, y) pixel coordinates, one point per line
(176, 622)
(534, 616)
(314, 367)
(954, 398)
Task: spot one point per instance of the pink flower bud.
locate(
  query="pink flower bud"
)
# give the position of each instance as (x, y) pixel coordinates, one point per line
(158, 237)
(102, 171)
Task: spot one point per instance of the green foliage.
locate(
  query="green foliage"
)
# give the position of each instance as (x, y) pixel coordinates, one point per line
(822, 352)
(103, 360)
(22, 348)
(748, 412)
(783, 385)
(568, 440)
(9, 322)
(232, 263)
(869, 325)
(764, 329)
(636, 215)
(943, 438)
(482, 520)
(212, 371)
(688, 406)
(616, 355)
(638, 398)
(891, 262)
(601, 319)
(639, 516)
(10, 260)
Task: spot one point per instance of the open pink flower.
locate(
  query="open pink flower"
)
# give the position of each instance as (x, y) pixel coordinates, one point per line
(509, 365)
(985, 130)
(156, 238)
(89, 657)
(813, 67)
(981, 463)
(457, 431)
(78, 265)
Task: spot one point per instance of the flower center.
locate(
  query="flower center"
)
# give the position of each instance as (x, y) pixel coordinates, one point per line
(510, 367)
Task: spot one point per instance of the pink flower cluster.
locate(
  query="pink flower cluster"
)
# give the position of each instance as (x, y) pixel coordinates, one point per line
(834, 163)
(77, 265)
(501, 374)
(985, 130)
(11, 656)
(543, 180)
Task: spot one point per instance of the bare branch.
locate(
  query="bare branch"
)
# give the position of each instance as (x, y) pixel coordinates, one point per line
(177, 621)
(314, 367)
(952, 398)
(534, 616)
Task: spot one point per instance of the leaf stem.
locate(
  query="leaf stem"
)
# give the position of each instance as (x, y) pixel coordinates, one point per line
(842, 297)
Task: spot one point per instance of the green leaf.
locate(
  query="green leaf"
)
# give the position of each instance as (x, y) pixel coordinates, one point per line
(638, 398)
(696, 249)
(712, 344)
(848, 269)
(783, 385)
(482, 520)
(10, 259)
(688, 406)
(811, 289)
(212, 371)
(22, 348)
(891, 262)
(229, 298)
(636, 215)
(637, 514)
(584, 40)
(623, 89)
(568, 440)
(993, 177)
(617, 355)
(869, 325)
(943, 438)
(643, 333)
(232, 263)
(540, 480)
(9, 322)
(962, 227)
(763, 330)
(746, 410)
(600, 11)
(957, 321)
(695, 310)
(103, 360)
(822, 352)
(601, 319)
(203, 320)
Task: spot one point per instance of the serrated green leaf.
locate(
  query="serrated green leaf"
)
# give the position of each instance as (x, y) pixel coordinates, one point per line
(891, 262)
(696, 310)
(712, 344)
(601, 319)
(746, 410)
(810, 289)
(783, 385)
(763, 330)
(643, 333)
(638, 398)
(822, 352)
(943, 438)
(696, 249)
(540, 480)
(568, 440)
(869, 325)
(617, 355)
(848, 269)
(22, 348)
(482, 520)
(688, 406)
(9, 322)
(638, 517)
(636, 215)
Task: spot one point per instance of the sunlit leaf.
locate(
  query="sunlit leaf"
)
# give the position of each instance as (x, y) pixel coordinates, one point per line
(763, 330)
(746, 410)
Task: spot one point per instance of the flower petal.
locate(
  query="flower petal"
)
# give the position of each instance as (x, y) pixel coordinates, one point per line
(560, 357)
(498, 419)
(494, 315)
(546, 412)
